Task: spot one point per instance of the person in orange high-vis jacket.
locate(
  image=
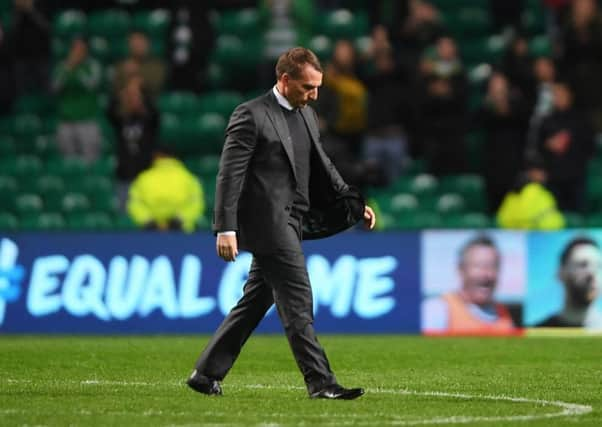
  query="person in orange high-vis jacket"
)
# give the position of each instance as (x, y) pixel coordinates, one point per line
(471, 309)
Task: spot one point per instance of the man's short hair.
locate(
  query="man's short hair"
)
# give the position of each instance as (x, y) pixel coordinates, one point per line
(568, 249)
(480, 240)
(293, 61)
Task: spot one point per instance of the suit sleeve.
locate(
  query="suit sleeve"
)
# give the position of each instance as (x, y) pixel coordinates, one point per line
(241, 139)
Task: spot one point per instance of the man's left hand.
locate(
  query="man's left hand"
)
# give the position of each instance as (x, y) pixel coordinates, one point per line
(369, 218)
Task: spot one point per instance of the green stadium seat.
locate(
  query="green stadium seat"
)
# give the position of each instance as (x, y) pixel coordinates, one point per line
(424, 185)
(74, 203)
(343, 24)
(43, 221)
(9, 189)
(170, 129)
(231, 53)
(243, 22)
(44, 147)
(470, 187)
(89, 221)
(574, 220)
(211, 128)
(468, 22)
(105, 166)
(8, 222)
(92, 184)
(541, 46)
(21, 166)
(386, 221)
(594, 220)
(67, 167)
(49, 186)
(28, 203)
(104, 202)
(7, 146)
(100, 49)
(593, 190)
(124, 222)
(220, 102)
(204, 223)
(155, 22)
(202, 166)
(34, 104)
(533, 20)
(403, 203)
(69, 23)
(200, 135)
(217, 76)
(110, 23)
(186, 103)
(59, 48)
(450, 204)
(469, 220)
(419, 220)
(27, 126)
(322, 46)
(488, 49)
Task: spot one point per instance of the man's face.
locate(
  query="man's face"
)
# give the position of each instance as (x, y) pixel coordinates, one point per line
(138, 44)
(304, 89)
(479, 272)
(581, 274)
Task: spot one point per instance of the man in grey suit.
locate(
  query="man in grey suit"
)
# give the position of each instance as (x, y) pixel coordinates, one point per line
(275, 187)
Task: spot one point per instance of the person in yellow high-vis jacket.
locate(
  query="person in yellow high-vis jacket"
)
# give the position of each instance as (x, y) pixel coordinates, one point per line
(166, 196)
(531, 206)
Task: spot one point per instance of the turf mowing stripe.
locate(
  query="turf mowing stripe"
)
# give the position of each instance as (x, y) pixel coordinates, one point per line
(568, 409)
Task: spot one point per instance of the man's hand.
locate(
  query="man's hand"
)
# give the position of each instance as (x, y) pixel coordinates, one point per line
(369, 218)
(227, 247)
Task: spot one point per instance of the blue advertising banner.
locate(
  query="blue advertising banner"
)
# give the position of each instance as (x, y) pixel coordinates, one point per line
(173, 283)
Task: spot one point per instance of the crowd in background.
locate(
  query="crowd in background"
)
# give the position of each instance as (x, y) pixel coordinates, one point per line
(403, 97)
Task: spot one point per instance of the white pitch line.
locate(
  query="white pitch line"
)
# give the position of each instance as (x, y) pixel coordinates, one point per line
(567, 409)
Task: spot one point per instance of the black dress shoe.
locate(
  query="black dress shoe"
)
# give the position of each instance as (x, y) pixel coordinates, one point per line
(204, 385)
(336, 391)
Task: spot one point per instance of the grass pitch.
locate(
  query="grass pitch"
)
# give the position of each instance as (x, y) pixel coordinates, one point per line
(547, 381)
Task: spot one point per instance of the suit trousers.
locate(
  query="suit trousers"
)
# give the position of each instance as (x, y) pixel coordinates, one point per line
(281, 278)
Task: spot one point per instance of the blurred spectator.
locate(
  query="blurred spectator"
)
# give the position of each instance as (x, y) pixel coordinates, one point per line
(579, 272)
(7, 83)
(76, 81)
(343, 103)
(191, 41)
(506, 14)
(542, 100)
(504, 118)
(472, 309)
(136, 123)
(386, 141)
(140, 62)
(341, 108)
(581, 59)
(566, 143)
(443, 108)
(421, 28)
(530, 206)
(517, 65)
(166, 196)
(31, 41)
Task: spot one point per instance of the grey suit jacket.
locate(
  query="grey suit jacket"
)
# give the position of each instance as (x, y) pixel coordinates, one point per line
(256, 181)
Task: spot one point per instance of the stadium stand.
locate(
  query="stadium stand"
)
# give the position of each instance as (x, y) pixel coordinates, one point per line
(40, 190)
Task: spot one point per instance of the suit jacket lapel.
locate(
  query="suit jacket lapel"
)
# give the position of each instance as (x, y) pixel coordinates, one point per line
(277, 117)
